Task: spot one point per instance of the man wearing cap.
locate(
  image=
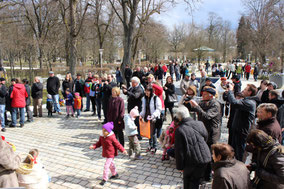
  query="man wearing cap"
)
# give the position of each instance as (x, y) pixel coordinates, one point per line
(52, 86)
(208, 83)
(209, 112)
(3, 93)
(265, 94)
(244, 116)
(185, 83)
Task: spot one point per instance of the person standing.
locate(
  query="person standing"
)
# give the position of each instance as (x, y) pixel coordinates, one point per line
(52, 86)
(107, 93)
(3, 94)
(237, 84)
(202, 81)
(118, 77)
(184, 84)
(244, 116)
(18, 96)
(67, 84)
(127, 75)
(191, 151)
(93, 94)
(177, 73)
(79, 87)
(170, 90)
(172, 69)
(116, 114)
(247, 70)
(37, 89)
(28, 101)
(98, 97)
(255, 71)
(87, 86)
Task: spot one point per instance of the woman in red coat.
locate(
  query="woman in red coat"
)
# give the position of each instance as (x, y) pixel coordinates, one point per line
(110, 145)
(18, 97)
(116, 114)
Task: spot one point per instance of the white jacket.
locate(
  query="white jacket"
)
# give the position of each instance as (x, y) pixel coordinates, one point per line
(154, 112)
(221, 91)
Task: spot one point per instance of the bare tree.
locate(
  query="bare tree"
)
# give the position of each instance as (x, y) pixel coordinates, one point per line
(176, 38)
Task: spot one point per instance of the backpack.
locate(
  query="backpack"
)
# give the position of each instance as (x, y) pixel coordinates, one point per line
(159, 121)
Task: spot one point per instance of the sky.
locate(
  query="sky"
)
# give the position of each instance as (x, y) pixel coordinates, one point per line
(230, 10)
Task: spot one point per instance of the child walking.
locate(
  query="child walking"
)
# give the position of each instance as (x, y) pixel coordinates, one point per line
(131, 132)
(49, 105)
(38, 178)
(69, 103)
(110, 145)
(77, 104)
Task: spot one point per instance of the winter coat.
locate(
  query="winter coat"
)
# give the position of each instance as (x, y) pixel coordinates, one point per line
(271, 127)
(230, 174)
(49, 104)
(138, 74)
(107, 91)
(77, 103)
(264, 97)
(244, 114)
(166, 137)
(28, 99)
(277, 101)
(135, 94)
(3, 94)
(130, 127)
(69, 100)
(109, 145)
(116, 112)
(169, 92)
(221, 90)
(37, 90)
(154, 112)
(272, 175)
(184, 84)
(118, 76)
(53, 85)
(190, 144)
(88, 84)
(247, 68)
(127, 73)
(159, 73)
(18, 96)
(79, 87)
(38, 178)
(9, 162)
(209, 112)
(67, 85)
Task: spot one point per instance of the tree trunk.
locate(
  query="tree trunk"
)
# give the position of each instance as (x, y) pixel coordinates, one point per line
(40, 57)
(72, 37)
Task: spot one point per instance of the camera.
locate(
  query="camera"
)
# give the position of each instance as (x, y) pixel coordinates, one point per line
(228, 85)
(188, 98)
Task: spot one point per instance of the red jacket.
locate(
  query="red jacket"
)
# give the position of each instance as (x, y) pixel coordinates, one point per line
(77, 103)
(164, 67)
(18, 96)
(247, 68)
(110, 145)
(159, 92)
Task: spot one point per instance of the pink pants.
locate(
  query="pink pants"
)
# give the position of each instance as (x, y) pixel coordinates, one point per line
(109, 164)
(69, 109)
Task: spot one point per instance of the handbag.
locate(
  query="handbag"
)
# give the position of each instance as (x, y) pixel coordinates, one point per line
(145, 128)
(172, 98)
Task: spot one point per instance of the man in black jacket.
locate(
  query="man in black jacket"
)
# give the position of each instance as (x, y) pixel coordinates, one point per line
(52, 86)
(127, 75)
(107, 88)
(28, 101)
(191, 151)
(37, 89)
(243, 119)
(135, 94)
(3, 93)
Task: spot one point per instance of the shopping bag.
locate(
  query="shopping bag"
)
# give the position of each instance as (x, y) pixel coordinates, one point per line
(145, 129)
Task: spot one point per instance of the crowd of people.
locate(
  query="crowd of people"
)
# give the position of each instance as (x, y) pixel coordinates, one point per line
(255, 119)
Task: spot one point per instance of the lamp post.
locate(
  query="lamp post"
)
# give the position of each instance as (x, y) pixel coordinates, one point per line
(101, 59)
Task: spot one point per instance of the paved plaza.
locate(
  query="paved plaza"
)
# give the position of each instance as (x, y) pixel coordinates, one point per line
(64, 150)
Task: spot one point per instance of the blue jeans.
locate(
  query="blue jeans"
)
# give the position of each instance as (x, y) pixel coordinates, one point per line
(2, 118)
(14, 116)
(153, 139)
(55, 99)
(88, 101)
(78, 112)
(99, 107)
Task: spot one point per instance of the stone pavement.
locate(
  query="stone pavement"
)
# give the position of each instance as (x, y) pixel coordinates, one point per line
(64, 150)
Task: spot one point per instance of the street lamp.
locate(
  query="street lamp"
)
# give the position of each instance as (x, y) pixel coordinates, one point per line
(101, 59)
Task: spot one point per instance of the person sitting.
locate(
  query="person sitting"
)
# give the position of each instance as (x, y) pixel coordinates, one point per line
(226, 167)
(267, 160)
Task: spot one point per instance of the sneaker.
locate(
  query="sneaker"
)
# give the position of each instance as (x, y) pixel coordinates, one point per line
(138, 157)
(73, 115)
(102, 182)
(114, 176)
(59, 113)
(153, 150)
(30, 121)
(148, 149)
(54, 111)
(3, 129)
(86, 110)
(21, 125)
(139, 138)
(12, 125)
(34, 115)
(94, 114)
